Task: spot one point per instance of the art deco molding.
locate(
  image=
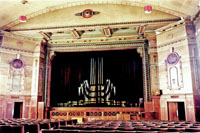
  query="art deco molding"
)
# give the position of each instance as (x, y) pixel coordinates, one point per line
(99, 25)
(11, 35)
(16, 75)
(89, 2)
(95, 46)
(169, 43)
(15, 51)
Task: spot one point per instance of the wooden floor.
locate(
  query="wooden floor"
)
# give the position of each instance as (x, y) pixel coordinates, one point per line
(65, 126)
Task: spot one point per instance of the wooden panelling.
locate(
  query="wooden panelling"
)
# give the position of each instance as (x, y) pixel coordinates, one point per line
(1, 112)
(9, 110)
(111, 113)
(172, 110)
(148, 106)
(40, 110)
(156, 106)
(26, 111)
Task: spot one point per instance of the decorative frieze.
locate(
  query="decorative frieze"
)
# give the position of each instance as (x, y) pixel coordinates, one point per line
(15, 51)
(101, 25)
(169, 43)
(108, 45)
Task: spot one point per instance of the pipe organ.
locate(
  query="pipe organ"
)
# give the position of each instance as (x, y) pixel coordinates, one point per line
(97, 92)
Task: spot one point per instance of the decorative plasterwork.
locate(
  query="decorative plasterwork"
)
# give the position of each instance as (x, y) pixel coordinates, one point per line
(100, 26)
(16, 75)
(96, 46)
(170, 26)
(46, 35)
(15, 51)
(87, 13)
(11, 35)
(75, 3)
(142, 45)
(169, 43)
(76, 34)
(174, 71)
(107, 31)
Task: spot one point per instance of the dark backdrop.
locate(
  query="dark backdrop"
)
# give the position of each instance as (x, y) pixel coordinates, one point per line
(122, 67)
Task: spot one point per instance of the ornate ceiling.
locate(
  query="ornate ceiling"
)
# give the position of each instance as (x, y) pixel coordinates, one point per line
(59, 21)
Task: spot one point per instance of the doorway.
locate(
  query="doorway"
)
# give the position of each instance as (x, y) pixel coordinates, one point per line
(176, 111)
(18, 106)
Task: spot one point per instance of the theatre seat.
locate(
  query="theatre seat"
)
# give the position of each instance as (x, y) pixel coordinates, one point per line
(5, 129)
(17, 129)
(50, 131)
(105, 131)
(117, 131)
(63, 123)
(69, 131)
(44, 125)
(87, 131)
(71, 122)
(192, 129)
(33, 128)
(54, 125)
(176, 129)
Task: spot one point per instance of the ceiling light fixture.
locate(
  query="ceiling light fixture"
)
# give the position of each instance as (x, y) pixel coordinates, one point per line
(147, 9)
(22, 19)
(24, 1)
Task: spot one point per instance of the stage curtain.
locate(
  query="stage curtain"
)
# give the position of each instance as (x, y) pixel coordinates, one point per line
(68, 71)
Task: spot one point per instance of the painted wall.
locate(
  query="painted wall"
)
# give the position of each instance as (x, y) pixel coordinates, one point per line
(176, 85)
(18, 84)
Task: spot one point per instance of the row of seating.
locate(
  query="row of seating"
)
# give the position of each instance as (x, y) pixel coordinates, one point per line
(32, 125)
(132, 126)
(65, 126)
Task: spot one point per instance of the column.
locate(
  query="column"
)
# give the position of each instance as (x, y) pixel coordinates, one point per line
(49, 57)
(146, 72)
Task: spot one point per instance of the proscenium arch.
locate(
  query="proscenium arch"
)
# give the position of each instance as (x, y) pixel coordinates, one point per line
(89, 2)
(141, 45)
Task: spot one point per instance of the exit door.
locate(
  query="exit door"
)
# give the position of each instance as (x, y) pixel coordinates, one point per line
(18, 109)
(176, 111)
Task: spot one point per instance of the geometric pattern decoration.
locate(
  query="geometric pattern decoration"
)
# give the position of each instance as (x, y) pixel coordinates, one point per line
(17, 63)
(75, 34)
(173, 58)
(107, 31)
(87, 13)
(16, 75)
(174, 71)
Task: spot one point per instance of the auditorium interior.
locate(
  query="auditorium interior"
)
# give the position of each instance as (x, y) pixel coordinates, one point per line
(99, 65)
